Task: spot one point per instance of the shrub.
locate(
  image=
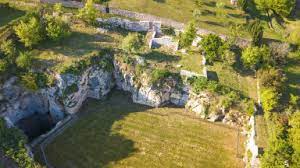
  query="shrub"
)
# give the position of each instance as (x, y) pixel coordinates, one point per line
(88, 13)
(133, 42)
(3, 66)
(272, 78)
(279, 52)
(9, 49)
(212, 46)
(252, 57)
(12, 143)
(56, 28)
(30, 32)
(242, 4)
(24, 60)
(294, 37)
(58, 8)
(250, 104)
(70, 89)
(159, 74)
(188, 36)
(229, 57)
(230, 99)
(34, 81)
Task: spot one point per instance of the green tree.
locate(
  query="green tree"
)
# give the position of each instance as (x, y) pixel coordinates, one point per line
(270, 101)
(256, 31)
(213, 47)
(30, 32)
(24, 60)
(133, 42)
(251, 57)
(56, 28)
(188, 36)
(8, 48)
(282, 8)
(89, 12)
(294, 138)
(3, 66)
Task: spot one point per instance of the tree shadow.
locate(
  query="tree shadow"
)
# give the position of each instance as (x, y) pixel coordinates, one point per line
(77, 44)
(160, 57)
(160, 1)
(239, 16)
(210, 3)
(8, 14)
(206, 12)
(96, 136)
(214, 23)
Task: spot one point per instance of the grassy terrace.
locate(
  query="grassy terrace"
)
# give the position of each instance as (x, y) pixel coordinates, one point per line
(119, 133)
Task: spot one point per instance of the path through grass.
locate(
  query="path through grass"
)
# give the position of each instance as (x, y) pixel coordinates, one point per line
(119, 133)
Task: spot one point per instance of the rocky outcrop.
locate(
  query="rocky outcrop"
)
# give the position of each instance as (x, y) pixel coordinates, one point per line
(198, 103)
(75, 89)
(18, 103)
(143, 91)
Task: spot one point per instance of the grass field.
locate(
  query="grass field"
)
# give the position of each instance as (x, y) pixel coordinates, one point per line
(119, 133)
(293, 73)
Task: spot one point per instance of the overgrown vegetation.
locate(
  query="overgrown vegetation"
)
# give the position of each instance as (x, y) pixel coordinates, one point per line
(12, 144)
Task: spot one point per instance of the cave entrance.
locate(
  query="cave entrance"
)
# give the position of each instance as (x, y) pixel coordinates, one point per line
(36, 125)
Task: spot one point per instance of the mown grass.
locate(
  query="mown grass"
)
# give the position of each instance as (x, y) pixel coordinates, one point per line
(261, 132)
(182, 11)
(292, 70)
(229, 76)
(83, 41)
(119, 133)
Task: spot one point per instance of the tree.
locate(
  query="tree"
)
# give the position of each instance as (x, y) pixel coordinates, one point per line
(251, 57)
(279, 150)
(294, 138)
(270, 101)
(213, 47)
(133, 42)
(30, 32)
(88, 13)
(24, 60)
(3, 66)
(188, 36)
(282, 8)
(56, 28)
(8, 48)
(256, 31)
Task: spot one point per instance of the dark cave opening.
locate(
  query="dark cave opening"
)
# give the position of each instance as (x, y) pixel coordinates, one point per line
(36, 125)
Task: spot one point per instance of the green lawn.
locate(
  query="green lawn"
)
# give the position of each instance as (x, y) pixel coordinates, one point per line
(119, 133)
(261, 132)
(231, 77)
(293, 73)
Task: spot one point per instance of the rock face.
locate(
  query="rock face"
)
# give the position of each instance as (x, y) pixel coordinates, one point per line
(143, 92)
(198, 104)
(18, 103)
(66, 96)
(75, 89)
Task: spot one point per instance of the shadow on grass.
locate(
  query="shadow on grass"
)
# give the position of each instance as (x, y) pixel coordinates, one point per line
(160, 57)
(95, 136)
(8, 14)
(77, 44)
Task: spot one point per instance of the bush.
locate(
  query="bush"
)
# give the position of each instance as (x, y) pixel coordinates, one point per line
(30, 32)
(188, 36)
(169, 31)
(57, 29)
(9, 49)
(24, 60)
(159, 74)
(88, 13)
(213, 47)
(12, 143)
(34, 81)
(229, 57)
(279, 52)
(270, 101)
(252, 57)
(250, 104)
(3, 66)
(133, 42)
(272, 78)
